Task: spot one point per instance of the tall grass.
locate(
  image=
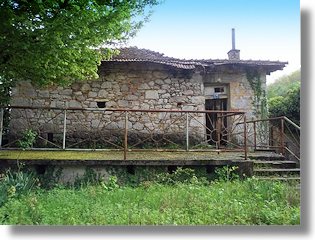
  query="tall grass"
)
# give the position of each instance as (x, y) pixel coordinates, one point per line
(248, 202)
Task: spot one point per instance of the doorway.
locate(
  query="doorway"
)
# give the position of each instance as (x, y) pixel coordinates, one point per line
(216, 122)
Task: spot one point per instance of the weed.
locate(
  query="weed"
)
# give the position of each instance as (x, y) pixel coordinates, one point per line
(181, 175)
(16, 183)
(111, 183)
(227, 173)
(28, 139)
(90, 177)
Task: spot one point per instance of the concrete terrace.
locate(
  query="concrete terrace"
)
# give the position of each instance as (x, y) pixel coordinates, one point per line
(136, 157)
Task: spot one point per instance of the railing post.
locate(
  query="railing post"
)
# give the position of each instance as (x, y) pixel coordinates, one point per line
(1, 125)
(245, 137)
(219, 129)
(255, 143)
(126, 136)
(282, 136)
(64, 129)
(187, 131)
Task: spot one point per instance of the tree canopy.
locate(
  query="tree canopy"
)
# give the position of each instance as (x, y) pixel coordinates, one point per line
(283, 84)
(59, 41)
(284, 97)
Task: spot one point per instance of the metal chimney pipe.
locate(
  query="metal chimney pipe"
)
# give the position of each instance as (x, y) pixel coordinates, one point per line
(233, 38)
(233, 54)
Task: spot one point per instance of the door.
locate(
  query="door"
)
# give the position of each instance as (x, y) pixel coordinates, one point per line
(216, 123)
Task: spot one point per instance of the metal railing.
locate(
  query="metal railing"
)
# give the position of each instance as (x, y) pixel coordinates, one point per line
(279, 134)
(125, 129)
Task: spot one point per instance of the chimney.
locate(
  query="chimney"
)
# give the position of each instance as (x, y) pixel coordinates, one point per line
(234, 54)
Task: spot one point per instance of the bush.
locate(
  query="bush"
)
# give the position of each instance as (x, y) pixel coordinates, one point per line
(28, 139)
(15, 184)
(226, 173)
(181, 175)
(286, 104)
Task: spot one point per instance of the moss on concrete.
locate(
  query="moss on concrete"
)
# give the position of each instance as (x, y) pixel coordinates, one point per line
(115, 155)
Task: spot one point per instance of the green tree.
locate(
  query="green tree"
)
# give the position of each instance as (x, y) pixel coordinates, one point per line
(283, 84)
(59, 41)
(284, 96)
(276, 106)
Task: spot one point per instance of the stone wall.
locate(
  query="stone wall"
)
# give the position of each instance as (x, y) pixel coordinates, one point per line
(120, 86)
(241, 96)
(125, 85)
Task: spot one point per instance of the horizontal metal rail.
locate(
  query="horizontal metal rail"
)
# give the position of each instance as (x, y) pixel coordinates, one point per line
(126, 110)
(187, 121)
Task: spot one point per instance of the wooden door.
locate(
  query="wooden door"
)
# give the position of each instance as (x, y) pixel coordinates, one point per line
(216, 123)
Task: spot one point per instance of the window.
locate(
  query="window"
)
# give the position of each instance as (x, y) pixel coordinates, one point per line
(219, 89)
(101, 104)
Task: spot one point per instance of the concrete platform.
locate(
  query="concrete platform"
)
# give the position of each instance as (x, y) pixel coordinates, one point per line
(10, 158)
(76, 161)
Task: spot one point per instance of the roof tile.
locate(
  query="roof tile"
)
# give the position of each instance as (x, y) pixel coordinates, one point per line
(134, 54)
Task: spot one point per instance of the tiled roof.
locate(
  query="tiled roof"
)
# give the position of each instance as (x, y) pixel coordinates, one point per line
(134, 54)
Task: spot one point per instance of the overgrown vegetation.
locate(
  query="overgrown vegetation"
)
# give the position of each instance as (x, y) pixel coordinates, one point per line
(16, 183)
(180, 198)
(28, 139)
(260, 100)
(284, 97)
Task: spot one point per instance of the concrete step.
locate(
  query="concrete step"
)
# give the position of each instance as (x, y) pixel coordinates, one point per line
(278, 178)
(266, 156)
(274, 170)
(277, 172)
(274, 164)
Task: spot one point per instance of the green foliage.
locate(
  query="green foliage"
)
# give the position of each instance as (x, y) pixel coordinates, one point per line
(28, 139)
(259, 101)
(277, 106)
(284, 97)
(90, 177)
(57, 42)
(288, 105)
(5, 88)
(249, 202)
(50, 178)
(181, 175)
(227, 173)
(16, 183)
(111, 184)
(283, 84)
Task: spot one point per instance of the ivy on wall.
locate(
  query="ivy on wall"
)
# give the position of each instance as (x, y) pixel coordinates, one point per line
(260, 98)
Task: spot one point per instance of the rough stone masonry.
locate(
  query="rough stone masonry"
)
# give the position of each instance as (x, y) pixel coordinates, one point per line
(149, 84)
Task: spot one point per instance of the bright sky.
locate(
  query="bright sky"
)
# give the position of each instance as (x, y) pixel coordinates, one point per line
(201, 29)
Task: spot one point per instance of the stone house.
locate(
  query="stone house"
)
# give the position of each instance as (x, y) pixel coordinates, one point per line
(143, 79)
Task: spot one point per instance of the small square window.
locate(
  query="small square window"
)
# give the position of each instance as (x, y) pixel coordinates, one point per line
(179, 104)
(219, 89)
(101, 104)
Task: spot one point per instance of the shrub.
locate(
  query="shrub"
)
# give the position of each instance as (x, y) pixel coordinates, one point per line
(111, 183)
(226, 173)
(28, 139)
(181, 175)
(16, 183)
